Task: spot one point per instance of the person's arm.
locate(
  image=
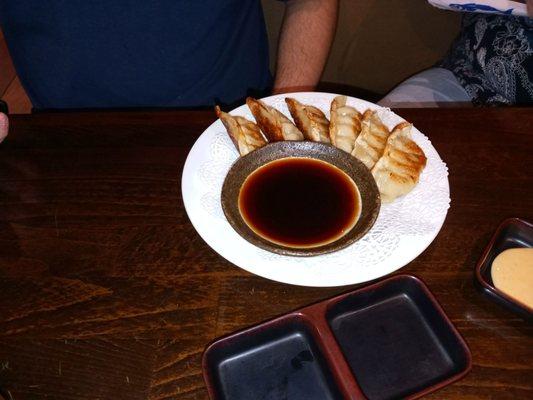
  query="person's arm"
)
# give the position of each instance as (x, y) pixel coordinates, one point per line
(305, 39)
(4, 125)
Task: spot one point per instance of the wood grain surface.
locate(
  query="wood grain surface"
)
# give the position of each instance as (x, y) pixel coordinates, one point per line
(107, 291)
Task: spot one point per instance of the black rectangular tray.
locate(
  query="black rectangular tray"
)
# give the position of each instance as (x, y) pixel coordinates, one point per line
(389, 340)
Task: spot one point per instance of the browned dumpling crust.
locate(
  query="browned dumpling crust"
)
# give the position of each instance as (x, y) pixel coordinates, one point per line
(344, 124)
(397, 172)
(274, 124)
(310, 120)
(370, 144)
(244, 133)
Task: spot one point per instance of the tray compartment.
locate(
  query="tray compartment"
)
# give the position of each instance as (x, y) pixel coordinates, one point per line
(396, 339)
(277, 360)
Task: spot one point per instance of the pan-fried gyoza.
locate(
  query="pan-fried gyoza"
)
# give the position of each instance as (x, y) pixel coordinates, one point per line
(244, 133)
(274, 124)
(344, 124)
(398, 171)
(370, 143)
(310, 120)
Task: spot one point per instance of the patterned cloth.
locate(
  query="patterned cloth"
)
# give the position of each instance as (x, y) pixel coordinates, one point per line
(493, 59)
(506, 7)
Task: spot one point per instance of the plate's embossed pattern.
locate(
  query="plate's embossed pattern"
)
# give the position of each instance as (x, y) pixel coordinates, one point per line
(402, 231)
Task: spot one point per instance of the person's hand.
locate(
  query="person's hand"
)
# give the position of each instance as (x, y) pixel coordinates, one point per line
(4, 126)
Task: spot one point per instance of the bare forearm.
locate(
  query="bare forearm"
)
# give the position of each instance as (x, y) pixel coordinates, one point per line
(306, 35)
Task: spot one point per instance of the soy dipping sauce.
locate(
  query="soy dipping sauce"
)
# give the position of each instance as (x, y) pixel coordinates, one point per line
(299, 202)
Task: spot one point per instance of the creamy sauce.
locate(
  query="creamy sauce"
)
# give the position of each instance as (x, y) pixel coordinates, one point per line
(512, 273)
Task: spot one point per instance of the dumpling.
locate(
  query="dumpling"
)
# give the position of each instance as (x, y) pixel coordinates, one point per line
(310, 120)
(398, 171)
(370, 143)
(272, 122)
(244, 133)
(344, 125)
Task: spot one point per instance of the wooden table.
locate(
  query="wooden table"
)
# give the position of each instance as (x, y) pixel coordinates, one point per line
(107, 291)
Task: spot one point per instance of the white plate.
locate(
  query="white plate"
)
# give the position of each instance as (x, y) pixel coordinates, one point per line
(402, 231)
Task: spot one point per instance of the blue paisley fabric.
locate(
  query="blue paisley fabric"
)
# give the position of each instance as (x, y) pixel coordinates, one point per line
(493, 59)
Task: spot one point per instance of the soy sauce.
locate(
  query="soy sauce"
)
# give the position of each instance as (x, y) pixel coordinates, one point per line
(299, 202)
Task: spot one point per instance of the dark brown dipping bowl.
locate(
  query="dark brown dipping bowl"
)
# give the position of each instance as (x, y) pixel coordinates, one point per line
(355, 169)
